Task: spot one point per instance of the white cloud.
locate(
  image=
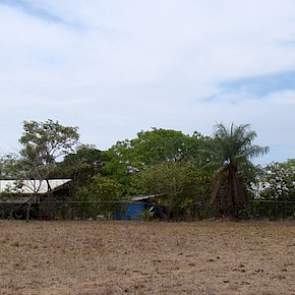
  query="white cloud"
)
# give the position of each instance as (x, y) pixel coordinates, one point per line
(136, 64)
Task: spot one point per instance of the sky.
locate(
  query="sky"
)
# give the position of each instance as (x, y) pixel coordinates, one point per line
(114, 68)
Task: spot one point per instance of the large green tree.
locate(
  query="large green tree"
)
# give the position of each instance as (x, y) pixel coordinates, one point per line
(82, 164)
(150, 148)
(183, 187)
(43, 145)
(100, 195)
(232, 152)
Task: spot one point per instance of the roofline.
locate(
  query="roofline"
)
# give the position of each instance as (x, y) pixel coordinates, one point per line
(146, 197)
(27, 179)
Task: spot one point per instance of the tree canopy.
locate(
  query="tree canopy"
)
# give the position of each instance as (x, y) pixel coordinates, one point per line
(189, 169)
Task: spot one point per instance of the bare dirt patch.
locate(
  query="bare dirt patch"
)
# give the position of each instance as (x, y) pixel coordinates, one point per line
(87, 258)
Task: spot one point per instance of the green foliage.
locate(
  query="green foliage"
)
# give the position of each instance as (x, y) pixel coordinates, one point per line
(47, 141)
(275, 192)
(235, 145)
(80, 166)
(156, 146)
(43, 144)
(117, 167)
(101, 195)
(182, 186)
(151, 148)
(279, 182)
(147, 215)
(177, 166)
(233, 150)
(9, 166)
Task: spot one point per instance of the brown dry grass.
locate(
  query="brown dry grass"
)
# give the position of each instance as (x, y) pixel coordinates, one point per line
(59, 258)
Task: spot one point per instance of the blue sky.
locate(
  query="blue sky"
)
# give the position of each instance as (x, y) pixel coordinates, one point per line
(262, 85)
(116, 67)
(33, 10)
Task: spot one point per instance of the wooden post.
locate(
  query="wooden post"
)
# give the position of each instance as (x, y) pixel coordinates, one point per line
(28, 212)
(11, 212)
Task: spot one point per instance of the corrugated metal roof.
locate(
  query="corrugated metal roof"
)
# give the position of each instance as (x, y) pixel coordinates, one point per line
(30, 186)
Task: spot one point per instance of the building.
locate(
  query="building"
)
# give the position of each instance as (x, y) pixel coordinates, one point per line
(139, 206)
(19, 197)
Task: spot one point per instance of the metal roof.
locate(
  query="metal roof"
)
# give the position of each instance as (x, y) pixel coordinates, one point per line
(145, 197)
(31, 186)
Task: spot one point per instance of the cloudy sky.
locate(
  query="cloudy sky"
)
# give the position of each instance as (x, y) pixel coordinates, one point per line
(114, 67)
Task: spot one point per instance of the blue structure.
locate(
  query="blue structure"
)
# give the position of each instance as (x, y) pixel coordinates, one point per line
(131, 211)
(136, 208)
(134, 211)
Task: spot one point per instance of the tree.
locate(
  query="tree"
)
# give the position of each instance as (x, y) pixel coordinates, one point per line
(9, 166)
(233, 150)
(159, 145)
(274, 191)
(279, 182)
(83, 164)
(182, 185)
(44, 143)
(101, 195)
(150, 148)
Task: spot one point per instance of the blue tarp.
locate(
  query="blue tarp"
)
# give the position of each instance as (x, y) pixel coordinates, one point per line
(133, 211)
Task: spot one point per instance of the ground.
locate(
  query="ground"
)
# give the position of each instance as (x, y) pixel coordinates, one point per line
(90, 258)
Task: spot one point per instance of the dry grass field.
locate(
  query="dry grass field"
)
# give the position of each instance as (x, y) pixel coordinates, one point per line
(90, 258)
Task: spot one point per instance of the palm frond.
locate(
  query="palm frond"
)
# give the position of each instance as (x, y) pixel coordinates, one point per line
(233, 150)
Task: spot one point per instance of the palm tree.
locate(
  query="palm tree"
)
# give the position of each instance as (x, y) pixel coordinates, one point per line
(233, 150)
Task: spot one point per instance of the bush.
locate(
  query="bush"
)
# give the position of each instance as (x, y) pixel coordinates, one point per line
(101, 196)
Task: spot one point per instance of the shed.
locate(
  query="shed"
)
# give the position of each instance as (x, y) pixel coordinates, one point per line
(135, 209)
(19, 195)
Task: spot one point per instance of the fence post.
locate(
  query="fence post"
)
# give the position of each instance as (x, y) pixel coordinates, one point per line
(28, 212)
